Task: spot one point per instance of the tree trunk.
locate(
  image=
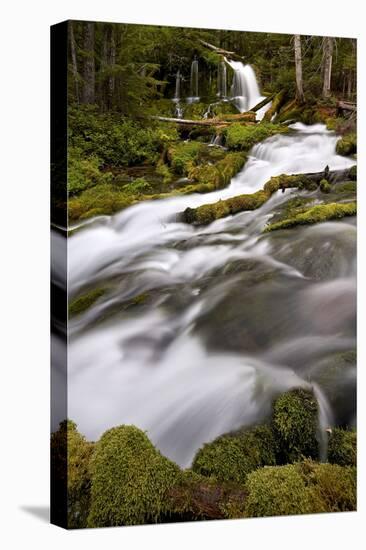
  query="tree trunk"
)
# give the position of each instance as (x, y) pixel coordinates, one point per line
(88, 95)
(298, 65)
(328, 43)
(112, 62)
(74, 61)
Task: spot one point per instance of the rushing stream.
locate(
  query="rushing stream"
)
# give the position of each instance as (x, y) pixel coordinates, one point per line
(202, 327)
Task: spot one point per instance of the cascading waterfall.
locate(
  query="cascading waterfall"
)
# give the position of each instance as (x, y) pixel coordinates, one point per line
(222, 80)
(181, 357)
(194, 79)
(244, 89)
(177, 86)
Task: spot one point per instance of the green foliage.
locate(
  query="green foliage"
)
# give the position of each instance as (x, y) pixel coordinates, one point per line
(295, 421)
(84, 172)
(130, 479)
(70, 459)
(219, 174)
(84, 302)
(139, 186)
(276, 491)
(98, 200)
(324, 186)
(347, 187)
(241, 137)
(342, 447)
(347, 145)
(317, 214)
(182, 156)
(232, 456)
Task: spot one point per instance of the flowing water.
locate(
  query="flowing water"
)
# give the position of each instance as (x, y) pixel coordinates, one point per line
(201, 327)
(244, 89)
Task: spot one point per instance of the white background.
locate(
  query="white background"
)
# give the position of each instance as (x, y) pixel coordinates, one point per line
(24, 272)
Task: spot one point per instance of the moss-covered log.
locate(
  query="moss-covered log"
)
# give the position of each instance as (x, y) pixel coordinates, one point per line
(222, 120)
(277, 103)
(207, 213)
(262, 103)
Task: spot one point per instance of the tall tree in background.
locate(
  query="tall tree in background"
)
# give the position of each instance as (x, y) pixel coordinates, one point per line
(298, 66)
(328, 44)
(108, 62)
(88, 92)
(73, 60)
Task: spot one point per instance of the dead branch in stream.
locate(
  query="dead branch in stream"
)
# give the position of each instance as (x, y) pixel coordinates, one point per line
(220, 51)
(222, 120)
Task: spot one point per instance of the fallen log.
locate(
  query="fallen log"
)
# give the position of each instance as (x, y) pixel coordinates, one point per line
(277, 103)
(347, 105)
(262, 103)
(207, 213)
(223, 120)
(220, 51)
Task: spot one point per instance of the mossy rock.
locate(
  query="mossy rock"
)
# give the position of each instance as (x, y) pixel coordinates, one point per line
(276, 491)
(71, 457)
(183, 156)
(295, 425)
(130, 480)
(85, 301)
(232, 456)
(347, 145)
(243, 137)
(324, 186)
(342, 447)
(316, 214)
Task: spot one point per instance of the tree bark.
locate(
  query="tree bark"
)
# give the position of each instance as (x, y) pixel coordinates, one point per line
(328, 43)
(88, 95)
(298, 66)
(74, 61)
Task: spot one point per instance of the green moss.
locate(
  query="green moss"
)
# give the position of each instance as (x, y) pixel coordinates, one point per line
(71, 456)
(218, 175)
(295, 422)
(276, 491)
(130, 480)
(317, 214)
(347, 145)
(232, 456)
(342, 447)
(347, 187)
(101, 199)
(324, 186)
(331, 488)
(182, 156)
(84, 302)
(243, 137)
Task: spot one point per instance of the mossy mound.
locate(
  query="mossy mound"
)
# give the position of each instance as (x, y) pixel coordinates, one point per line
(276, 491)
(295, 423)
(183, 156)
(342, 447)
(70, 461)
(302, 488)
(232, 456)
(316, 214)
(347, 145)
(215, 176)
(242, 137)
(130, 480)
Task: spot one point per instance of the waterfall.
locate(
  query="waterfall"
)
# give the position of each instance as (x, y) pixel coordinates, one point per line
(229, 320)
(177, 86)
(244, 91)
(194, 79)
(222, 80)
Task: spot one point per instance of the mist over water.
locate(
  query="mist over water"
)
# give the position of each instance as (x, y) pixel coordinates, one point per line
(201, 327)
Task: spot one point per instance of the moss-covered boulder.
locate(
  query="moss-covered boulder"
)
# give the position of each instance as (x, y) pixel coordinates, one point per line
(347, 145)
(277, 491)
(342, 447)
(324, 186)
(85, 301)
(70, 462)
(295, 424)
(130, 480)
(183, 156)
(243, 137)
(231, 457)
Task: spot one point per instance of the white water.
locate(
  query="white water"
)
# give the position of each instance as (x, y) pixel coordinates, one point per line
(197, 361)
(222, 80)
(244, 89)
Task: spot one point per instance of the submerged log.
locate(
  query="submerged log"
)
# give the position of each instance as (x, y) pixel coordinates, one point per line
(208, 213)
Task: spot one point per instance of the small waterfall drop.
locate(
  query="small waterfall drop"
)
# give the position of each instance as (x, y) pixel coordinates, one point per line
(177, 86)
(222, 80)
